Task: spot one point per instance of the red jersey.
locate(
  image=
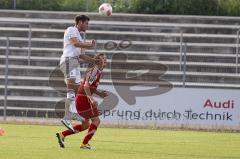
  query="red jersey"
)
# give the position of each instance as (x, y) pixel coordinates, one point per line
(83, 105)
(93, 80)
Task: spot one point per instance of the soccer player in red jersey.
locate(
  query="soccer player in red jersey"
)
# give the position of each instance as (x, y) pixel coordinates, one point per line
(86, 105)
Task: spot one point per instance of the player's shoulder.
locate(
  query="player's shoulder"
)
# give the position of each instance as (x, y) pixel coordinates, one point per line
(71, 29)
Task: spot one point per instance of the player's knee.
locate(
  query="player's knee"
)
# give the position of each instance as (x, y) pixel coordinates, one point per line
(70, 81)
(71, 84)
(99, 121)
(96, 121)
(70, 94)
(85, 124)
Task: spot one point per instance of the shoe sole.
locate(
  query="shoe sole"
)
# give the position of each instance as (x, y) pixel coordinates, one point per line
(87, 148)
(69, 128)
(59, 140)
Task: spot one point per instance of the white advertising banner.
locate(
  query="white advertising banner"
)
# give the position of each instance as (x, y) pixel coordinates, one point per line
(180, 107)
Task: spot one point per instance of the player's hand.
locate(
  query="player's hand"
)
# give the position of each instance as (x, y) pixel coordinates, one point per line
(93, 43)
(95, 103)
(104, 94)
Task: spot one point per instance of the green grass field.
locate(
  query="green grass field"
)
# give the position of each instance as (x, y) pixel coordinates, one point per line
(39, 142)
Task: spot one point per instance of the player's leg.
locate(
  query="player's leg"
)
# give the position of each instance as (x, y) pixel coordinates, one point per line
(65, 66)
(70, 68)
(81, 103)
(75, 86)
(77, 128)
(91, 131)
(70, 100)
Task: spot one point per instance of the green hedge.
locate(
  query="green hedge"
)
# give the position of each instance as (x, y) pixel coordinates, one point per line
(188, 7)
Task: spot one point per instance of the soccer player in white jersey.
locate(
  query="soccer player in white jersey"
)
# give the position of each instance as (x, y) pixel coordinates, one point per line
(73, 51)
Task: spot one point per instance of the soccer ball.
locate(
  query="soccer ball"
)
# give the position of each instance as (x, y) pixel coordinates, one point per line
(105, 9)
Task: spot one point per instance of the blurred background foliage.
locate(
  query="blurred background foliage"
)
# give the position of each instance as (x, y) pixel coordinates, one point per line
(186, 7)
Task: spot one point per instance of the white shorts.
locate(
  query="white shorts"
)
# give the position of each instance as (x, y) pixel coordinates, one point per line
(70, 67)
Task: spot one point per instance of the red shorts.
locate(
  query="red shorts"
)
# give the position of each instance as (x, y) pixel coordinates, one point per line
(85, 108)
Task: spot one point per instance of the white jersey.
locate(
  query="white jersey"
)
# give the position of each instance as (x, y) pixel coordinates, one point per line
(70, 50)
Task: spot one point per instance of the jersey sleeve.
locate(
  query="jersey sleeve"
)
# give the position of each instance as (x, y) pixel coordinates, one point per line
(71, 33)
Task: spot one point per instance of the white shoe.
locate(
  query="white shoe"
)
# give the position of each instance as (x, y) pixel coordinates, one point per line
(67, 124)
(87, 146)
(76, 116)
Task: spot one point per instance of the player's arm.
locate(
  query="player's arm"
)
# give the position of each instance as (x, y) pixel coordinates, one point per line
(88, 93)
(74, 41)
(100, 93)
(87, 90)
(88, 59)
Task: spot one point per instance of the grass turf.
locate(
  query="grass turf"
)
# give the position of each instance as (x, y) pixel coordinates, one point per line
(39, 142)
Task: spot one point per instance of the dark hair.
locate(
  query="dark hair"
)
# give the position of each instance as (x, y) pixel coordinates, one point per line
(82, 18)
(97, 55)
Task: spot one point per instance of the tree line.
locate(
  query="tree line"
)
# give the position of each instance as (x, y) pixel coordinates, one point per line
(182, 7)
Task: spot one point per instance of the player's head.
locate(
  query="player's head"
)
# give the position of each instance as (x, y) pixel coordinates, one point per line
(103, 60)
(81, 22)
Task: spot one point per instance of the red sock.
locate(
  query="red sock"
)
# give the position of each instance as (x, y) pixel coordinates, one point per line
(91, 131)
(67, 132)
(77, 128)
